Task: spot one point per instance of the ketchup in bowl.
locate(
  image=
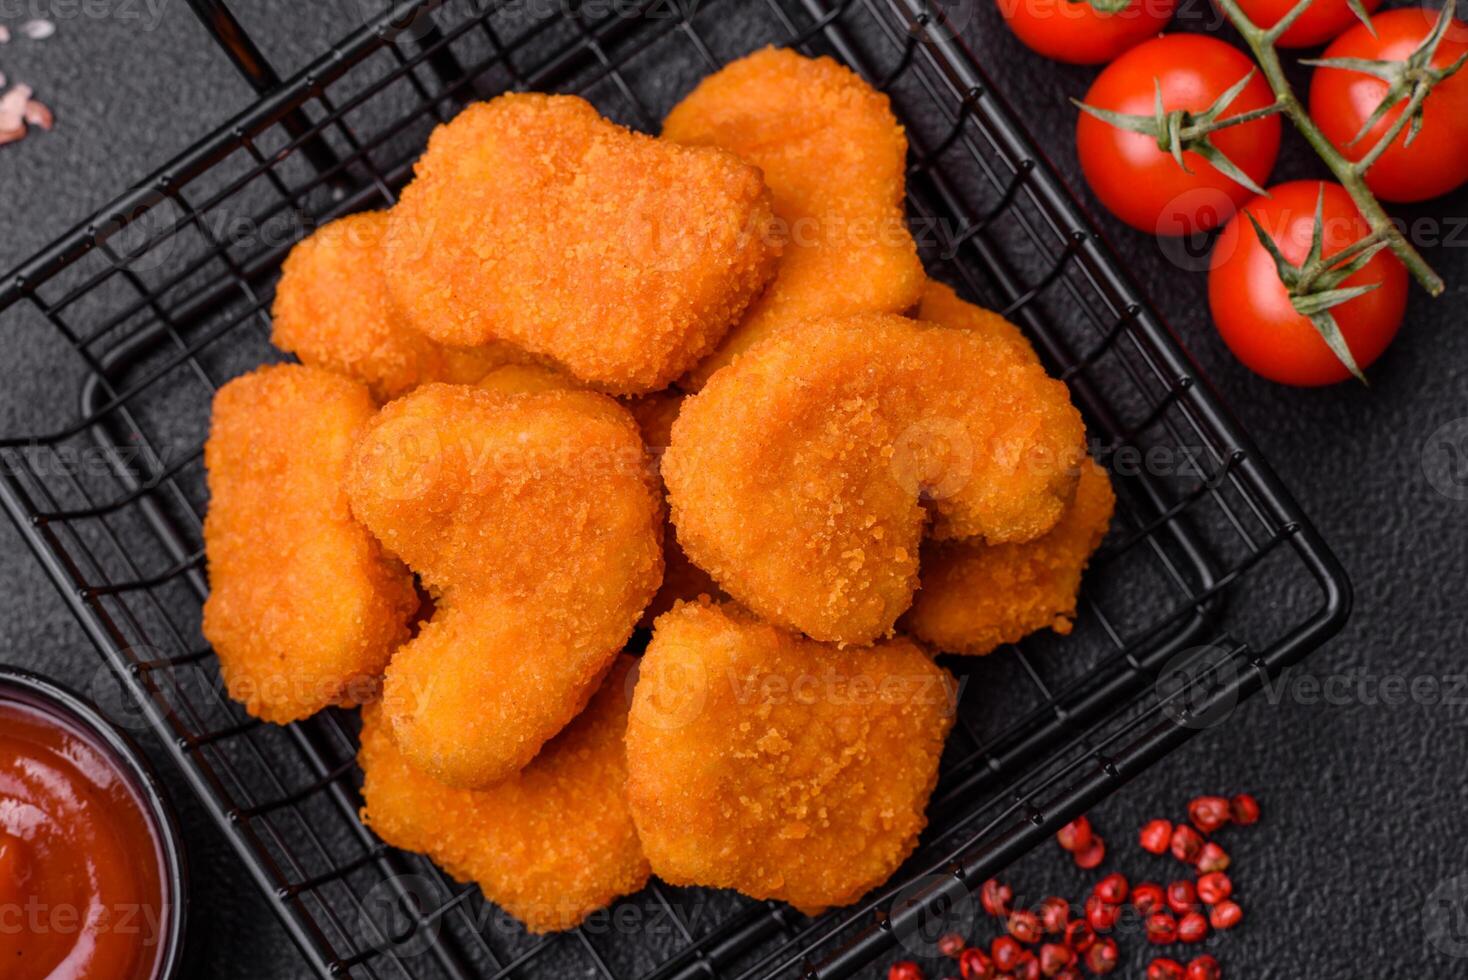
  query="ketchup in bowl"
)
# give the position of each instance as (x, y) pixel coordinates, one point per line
(88, 871)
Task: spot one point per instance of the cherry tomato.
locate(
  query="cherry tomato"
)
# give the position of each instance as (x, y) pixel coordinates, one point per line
(1341, 101)
(1076, 32)
(1321, 21)
(1251, 307)
(1141, 183)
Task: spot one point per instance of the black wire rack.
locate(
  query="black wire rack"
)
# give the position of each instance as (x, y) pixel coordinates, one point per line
(1211, 582)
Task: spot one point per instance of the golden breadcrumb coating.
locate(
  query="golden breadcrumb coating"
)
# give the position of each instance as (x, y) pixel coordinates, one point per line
(332, 311)
(834, 158)
(682, 579)
(975, 597)
(550, 844)
(622, 257)
(514, 379)
(941, 305)
(804, 477)
(534, 519)
(784, 768)
(304, 608)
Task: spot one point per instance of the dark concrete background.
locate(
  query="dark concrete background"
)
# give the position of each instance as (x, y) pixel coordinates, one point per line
(1364, 801)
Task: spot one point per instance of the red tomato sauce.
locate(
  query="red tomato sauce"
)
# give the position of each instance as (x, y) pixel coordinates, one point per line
(81, 891)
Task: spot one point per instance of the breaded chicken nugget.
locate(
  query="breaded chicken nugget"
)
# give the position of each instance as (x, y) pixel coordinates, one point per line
(332, 311)
(304, 609)
(514, 379)
(535, 521)
(834, 158)
(550, 844)
(622, 257)
(762, 761)
(804, 477)
(682, 579)
(975, 597)
(941, 305)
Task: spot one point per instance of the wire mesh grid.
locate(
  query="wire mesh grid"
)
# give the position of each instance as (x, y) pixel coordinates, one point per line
(1210, 581)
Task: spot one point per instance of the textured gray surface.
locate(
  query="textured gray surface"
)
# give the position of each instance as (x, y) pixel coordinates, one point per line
(1363, 800)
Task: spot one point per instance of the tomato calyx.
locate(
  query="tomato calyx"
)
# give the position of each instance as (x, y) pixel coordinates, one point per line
(1411, 81)
(1178, 131)
(1106, 6)
(1315, 285)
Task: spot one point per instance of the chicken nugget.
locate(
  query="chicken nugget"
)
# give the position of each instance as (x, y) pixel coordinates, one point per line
(941, 305)
(784, 768)
(550, 844)
(805, 476)
(622, 257)
(332, 311)
(834, 158)
(975, 597)
(304, 608)
(535, 521)
(682, 579)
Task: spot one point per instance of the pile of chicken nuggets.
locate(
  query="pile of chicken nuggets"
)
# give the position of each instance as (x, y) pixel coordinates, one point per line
(582, 380)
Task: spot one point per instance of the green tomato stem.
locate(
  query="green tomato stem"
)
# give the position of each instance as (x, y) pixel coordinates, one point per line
(1262, 43)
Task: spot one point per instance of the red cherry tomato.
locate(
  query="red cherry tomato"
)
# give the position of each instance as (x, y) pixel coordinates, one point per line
(1141, 183)
(1251, 307)
(1076, 32)
(1341, 101)
(1321, 21)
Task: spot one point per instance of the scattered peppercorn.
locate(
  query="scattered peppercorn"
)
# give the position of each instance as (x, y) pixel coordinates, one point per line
(1103, 957)
(1212, 858)
(1093, 854)
(1113, 889)
(996, 898)
(1156, 836)
(1204, 968)
(905, 970)
(1054, 914)
(1214, 887)
(1147, 898)
(1055, 957)
(1028, 967)
(1209, 813)
(1225, 915)
(1079, 935)
(974, 964)
(951, 945)
(1186, 843)
(1244, 809)
(1100, 915)
(1161, 929)
(1024, 926)
(1075, 836)
(1165, 969)
(1192, 928)
(1006, 952)
(1182, 897)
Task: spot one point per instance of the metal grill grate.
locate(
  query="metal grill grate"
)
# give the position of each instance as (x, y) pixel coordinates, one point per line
(1210, 582)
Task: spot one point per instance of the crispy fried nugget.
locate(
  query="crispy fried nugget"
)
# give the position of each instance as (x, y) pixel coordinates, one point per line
(941, 305)
(682, 579)
(304, 609)
(834, 158)
(332, 311)
(550, 844)
(622, 257)
(762, 761)
(804, 477)
(535, 521)
(975, 597)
